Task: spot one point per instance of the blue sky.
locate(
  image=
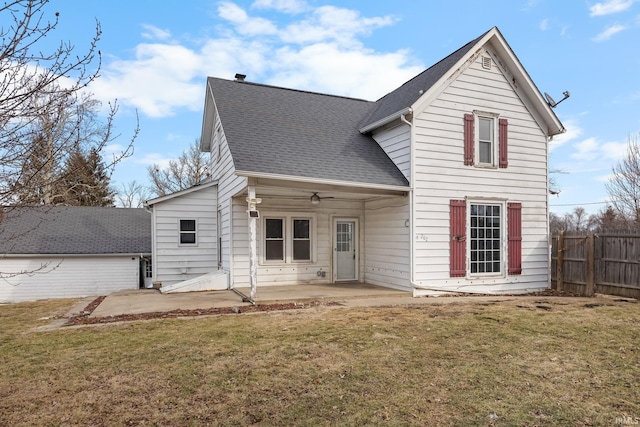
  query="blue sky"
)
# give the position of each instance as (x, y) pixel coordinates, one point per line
(157, 55)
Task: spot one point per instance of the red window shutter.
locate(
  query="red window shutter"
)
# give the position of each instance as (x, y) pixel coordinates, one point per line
(502, 142)
(469, 139)
(458, 238)
(514, 228)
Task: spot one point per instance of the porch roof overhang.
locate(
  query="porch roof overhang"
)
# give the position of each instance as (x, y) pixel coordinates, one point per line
(274, 183)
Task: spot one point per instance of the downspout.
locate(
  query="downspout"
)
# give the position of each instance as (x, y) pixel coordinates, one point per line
(154, 261)
(412, 173)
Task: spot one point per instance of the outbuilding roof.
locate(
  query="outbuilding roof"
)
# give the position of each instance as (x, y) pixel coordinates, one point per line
(74, 230)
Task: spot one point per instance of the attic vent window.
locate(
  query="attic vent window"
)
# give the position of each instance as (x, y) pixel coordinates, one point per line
(486, 62)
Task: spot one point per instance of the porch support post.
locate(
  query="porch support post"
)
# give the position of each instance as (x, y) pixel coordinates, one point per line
(252, 203)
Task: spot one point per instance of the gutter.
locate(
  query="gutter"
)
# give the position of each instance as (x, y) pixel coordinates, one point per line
(40, 255)
(386, 187)
(395, 116)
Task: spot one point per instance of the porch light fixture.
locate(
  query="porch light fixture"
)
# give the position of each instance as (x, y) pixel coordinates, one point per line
(315, 199)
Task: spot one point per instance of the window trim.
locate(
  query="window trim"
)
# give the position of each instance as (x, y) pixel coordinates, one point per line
(288, 239)
(294, 239)
(265, 239)
(503, 238)
(194, 232)
(494, 117)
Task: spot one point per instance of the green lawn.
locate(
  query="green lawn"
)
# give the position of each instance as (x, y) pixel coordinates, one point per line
(528, 362)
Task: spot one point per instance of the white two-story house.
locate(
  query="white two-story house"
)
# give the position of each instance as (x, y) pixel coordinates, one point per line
(439, 186)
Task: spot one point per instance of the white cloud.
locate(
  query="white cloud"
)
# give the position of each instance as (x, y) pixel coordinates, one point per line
(610, 7)
(609, 32)
(325, 67)
(587, 150)
(614, 150)
(151, 159)
(544, 25)
(157, 81)
(245, 24)
(155, 33)
(285, 6)
(333, 23)
(604, 178)
(322, 51)
(573, 132)
(591, 149)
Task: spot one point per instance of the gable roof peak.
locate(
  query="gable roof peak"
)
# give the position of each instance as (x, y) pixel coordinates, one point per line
(396, 103)
(400, 99)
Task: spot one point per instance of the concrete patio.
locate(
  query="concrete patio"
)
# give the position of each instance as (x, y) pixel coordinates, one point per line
(151, 300)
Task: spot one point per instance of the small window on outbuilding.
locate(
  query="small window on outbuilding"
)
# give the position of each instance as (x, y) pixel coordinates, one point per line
(187, 231)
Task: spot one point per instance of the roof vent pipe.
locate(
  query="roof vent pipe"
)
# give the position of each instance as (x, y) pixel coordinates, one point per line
(240, 77)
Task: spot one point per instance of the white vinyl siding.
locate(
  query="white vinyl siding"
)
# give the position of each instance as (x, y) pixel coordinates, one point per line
(67, 277)
(172, 261)
(387, 233)
(440, 176)
(229, 184)
(396, 142)
(294, 272)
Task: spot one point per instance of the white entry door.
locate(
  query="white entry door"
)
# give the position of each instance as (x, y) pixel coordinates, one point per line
(345, 249)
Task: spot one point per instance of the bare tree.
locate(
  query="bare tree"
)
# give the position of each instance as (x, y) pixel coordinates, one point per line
(576, 221)
(42, 91)
(557, 223)
(44, 110)
(132, 195)
(188, 170)
(61, 134)
(624, 186)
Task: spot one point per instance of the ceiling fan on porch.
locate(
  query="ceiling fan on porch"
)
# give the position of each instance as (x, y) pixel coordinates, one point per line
(315, 199)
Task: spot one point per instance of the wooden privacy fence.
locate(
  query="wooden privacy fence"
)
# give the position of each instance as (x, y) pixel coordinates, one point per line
(596, 263)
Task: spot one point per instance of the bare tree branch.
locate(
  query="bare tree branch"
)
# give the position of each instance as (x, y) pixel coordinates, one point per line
(624, 186)
(190, 169)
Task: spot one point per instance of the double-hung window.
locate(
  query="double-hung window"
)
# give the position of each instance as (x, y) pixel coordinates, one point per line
(188, 231)
(301, 240)
(486, 140)
(287, 239)
(274, 239)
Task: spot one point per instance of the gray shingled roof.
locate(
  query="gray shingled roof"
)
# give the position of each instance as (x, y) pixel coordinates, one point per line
(80, 230)
(296, 133)
(404, 96)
